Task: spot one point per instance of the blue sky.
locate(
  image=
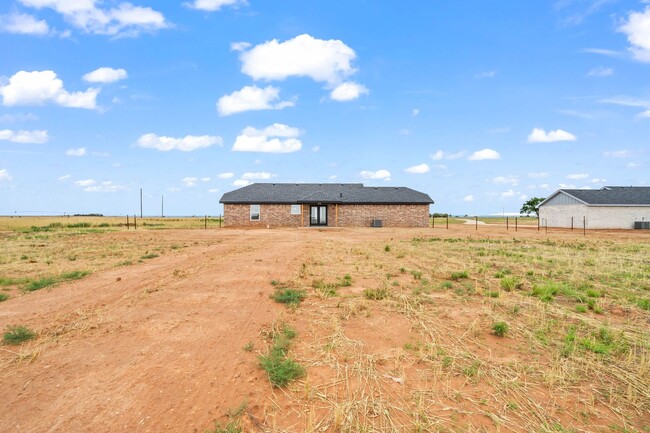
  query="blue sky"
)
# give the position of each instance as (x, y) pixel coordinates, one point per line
(479, 104)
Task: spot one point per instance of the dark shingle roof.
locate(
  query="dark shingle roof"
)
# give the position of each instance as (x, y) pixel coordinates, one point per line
(348, 193)
(612, 195)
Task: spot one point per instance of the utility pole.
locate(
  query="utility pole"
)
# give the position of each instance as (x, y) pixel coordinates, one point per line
(162, 206)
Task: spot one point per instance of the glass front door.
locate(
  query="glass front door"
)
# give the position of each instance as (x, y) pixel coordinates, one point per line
(318, 215)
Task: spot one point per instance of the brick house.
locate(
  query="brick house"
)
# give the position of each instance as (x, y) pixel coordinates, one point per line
(325, 205)
(611, 207)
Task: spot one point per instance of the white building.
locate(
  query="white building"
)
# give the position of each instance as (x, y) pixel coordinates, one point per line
(611, 207)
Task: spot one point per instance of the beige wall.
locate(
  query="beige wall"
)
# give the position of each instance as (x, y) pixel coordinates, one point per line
(279, 215)
(597, 217)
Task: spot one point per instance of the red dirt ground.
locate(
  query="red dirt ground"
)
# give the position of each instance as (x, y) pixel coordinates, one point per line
(157, 346)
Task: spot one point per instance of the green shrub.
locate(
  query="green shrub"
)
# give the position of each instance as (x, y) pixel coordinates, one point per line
(387, 248)
(40, 284)
(500, 329)
(3, 297)
(459, 275)
(510, 283)
(17, 334)
(281, 369)
(74, 275)
(376, 294)
(288, 296)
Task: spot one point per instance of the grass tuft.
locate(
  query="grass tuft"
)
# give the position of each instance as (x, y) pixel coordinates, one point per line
(288, 296)
(17, 334)
(280, 368)
(500, 329)
(376, 294)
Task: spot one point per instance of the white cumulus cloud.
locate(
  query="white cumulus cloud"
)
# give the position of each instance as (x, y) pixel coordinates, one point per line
(439, 155)
(4, 175)
(348, 91)
(504, 180)
(106, 186)
(637, 29)
(40, 87)
(23, 24)
(26, 137)
(86, 182)
(241, 182)
(185, 144)
(303, 56)
(484, 154)
(123, 20)
(277, 138)
(618, 154)
(577, 176)
(76, 152)
(189, 181)
(379, 174)
(261, 175)
(324, 61)
(538, 135)
(601, 71)
(418, 169)
(469, 198)
(225, 175)
(105, 75)
(251, 98)
(214, 5)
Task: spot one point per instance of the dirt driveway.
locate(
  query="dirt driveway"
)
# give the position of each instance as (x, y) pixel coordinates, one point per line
(148, 348)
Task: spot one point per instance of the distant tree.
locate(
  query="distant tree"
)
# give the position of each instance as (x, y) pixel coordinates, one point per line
(531, 206)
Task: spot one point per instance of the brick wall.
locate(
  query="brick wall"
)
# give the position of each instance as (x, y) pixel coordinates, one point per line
(279, 215)
(274, 215)
(415, 215)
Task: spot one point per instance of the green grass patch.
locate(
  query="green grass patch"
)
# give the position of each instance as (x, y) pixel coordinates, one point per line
(280, 368)
(604, 343)
(149, 256)
(500, 329)
(5, 281)
(459, 275)
(3, 297)
(44, 282)
(376, 294)
(40, 284)
(510, 283)
(17, 334)
(288, 296)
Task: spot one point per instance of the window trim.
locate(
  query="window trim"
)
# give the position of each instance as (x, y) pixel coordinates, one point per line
(251, 213)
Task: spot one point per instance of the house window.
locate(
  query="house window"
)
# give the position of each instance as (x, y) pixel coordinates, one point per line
(255, 212)
(295, 209)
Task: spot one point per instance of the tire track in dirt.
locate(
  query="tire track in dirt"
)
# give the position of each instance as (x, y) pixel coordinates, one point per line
(159, 350)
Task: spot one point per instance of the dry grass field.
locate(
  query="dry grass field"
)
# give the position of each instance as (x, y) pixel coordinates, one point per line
(172, 329)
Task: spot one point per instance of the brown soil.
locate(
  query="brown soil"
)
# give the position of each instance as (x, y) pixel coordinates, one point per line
(158, 346)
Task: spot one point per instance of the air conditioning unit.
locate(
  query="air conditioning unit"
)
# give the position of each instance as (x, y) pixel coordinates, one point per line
(642, 225)
(377, 223)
